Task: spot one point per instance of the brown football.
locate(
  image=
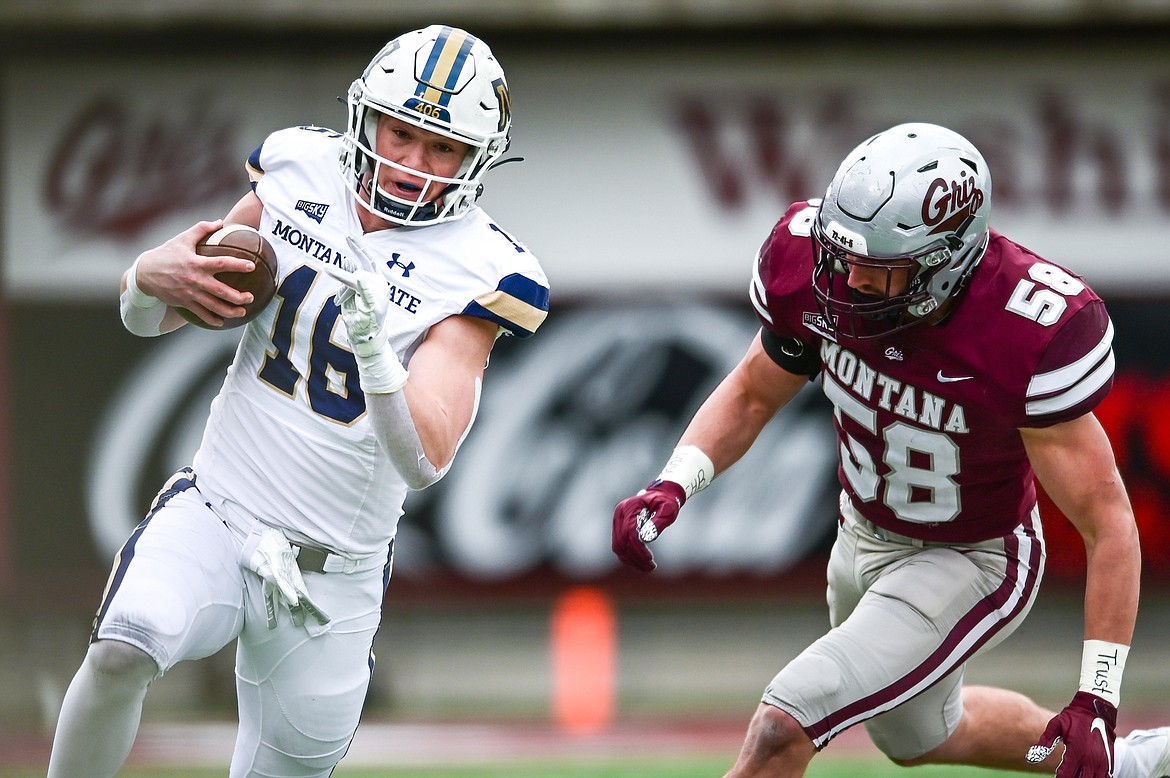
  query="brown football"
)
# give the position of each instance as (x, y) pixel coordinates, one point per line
(240, 240)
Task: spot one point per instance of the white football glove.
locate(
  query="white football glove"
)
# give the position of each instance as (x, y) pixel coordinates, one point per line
(365, 301)
(272, 559)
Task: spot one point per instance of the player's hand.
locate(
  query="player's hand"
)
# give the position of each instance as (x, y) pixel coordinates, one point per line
(1086, 727)
(174, 273)
(638, 520)
(365, 302)
(272, 559)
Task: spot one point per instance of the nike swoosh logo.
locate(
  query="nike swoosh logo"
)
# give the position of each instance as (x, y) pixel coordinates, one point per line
(946, 379)
(1098, 726)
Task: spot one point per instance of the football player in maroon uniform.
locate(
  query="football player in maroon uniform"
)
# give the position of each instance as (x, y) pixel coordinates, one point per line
(961, 368)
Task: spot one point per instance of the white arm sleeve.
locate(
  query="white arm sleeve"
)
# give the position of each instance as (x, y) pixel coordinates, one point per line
(141, 313)
(395, 430)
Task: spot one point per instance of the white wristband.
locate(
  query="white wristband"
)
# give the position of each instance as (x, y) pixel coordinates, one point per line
(1102, 664)
(141, 313)
(691, 468)
(135, 295)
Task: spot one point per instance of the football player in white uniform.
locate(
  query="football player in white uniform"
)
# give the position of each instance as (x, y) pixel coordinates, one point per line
(355, 384)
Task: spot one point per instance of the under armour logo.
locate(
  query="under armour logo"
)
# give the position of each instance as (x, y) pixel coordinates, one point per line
(406, 266)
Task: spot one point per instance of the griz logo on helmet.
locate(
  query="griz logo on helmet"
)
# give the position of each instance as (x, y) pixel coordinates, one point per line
(948, 204)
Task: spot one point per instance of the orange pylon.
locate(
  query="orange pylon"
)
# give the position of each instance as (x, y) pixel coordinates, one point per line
(583, 647)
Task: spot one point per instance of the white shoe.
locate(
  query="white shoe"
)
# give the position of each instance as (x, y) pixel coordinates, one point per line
(1149, 754)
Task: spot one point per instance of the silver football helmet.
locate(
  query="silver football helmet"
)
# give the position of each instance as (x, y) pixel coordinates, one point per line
(916, 197)
(443, 80)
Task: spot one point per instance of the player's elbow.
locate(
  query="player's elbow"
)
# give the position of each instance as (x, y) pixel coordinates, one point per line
(416, 480)
(416, 469)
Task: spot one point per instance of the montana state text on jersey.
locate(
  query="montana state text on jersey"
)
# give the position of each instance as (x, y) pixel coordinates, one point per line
(928, 417)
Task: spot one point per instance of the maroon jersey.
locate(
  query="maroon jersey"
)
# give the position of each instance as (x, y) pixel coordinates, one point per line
(928, 418)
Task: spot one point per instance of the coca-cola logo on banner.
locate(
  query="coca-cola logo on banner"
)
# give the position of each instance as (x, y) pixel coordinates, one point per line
(570, 423)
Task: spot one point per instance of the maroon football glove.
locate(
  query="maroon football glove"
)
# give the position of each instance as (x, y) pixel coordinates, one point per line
(639, 519)
(1086, 727)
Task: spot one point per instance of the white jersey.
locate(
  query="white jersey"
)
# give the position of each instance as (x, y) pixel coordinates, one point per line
(288, 439)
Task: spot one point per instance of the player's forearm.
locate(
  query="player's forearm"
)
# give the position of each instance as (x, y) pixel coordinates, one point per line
(1102, 514)
(1113, 574)
(396, 430)
(440, 426)
(1074, 462)
(730, 420)
(723, 429)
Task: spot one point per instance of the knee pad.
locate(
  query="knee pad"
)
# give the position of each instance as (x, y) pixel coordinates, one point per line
(310, 766)
(272, 759)
(299, 733)
(809, 677)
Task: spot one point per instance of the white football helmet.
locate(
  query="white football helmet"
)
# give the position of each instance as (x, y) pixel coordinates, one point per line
(915, 197)
(441, 79)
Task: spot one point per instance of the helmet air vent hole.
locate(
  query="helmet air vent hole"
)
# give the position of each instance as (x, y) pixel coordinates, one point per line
(928, 166)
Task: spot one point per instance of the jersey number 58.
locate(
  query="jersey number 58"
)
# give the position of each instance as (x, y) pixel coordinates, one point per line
(1044, 305)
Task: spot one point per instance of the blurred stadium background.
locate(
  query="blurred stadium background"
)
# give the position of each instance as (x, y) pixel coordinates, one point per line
(662, 138)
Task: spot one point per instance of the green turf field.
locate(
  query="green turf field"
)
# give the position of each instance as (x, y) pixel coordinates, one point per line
(693, 767)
